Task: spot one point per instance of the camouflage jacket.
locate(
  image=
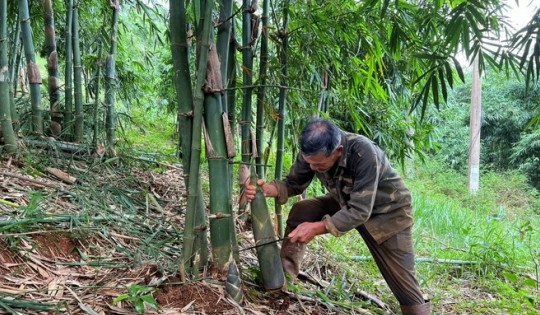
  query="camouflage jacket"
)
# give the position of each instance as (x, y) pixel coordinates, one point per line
(368, 189)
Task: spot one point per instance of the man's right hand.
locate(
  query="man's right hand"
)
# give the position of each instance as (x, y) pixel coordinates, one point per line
(269, 190)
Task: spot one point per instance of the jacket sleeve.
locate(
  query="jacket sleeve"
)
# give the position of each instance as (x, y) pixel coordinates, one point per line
(298, 179)
(358, 208)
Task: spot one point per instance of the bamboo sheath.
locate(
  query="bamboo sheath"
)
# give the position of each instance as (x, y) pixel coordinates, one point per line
(263, 232)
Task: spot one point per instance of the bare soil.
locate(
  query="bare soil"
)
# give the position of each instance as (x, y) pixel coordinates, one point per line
(73, 249)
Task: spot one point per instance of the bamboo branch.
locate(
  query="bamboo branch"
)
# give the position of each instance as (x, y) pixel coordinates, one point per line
(425, 259)
(31, 180)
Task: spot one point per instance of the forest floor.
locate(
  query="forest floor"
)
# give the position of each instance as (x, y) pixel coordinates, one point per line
(74, 247)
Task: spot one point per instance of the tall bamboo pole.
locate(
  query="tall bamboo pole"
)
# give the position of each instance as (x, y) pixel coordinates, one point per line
(77, 77)
(110, 82)
(223, 49)
(34, 77)
(97, 77)
(259, 130)
(184, 99)
(281, 110)
(189, 256)
(247, 69)
(223, 43)
(68, 77)
(52, 68)
(218, 165)
(13, 70)
(5, 114)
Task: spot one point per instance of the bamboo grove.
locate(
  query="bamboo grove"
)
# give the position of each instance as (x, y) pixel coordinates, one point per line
(246, 76)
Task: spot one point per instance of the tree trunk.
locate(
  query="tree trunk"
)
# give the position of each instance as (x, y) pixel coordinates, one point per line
(68, 101)
(77, 77)
(5, 114)
(52, 68)
(475, 126)
(34, 77)
(184, 98)
(110, 83)
(190, 256)
(281, 110)
(260, 124)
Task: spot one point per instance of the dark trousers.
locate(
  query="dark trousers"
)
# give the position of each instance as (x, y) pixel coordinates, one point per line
(394, 257)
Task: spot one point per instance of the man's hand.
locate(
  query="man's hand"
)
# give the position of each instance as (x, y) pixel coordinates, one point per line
(307, 231)
(269, 190)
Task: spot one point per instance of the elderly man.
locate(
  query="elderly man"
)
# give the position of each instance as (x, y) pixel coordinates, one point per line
(364, 193)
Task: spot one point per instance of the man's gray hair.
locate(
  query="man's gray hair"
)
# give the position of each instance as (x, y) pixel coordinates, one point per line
(319, 137)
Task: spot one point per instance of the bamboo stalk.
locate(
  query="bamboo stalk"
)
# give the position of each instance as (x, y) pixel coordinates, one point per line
(261, 92)
(190, 252)
(5, 111)
(68, 76)
(34, 77)
(425, 260)
(77, 77)
(278, 172)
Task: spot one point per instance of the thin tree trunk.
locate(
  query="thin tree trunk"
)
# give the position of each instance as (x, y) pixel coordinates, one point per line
(13, 70)
(281, 109)
(77, 77)
(68, 97)
(5, 114)
(110, 83)
(52, 68)
(184, 98)
(260, 124)
(34, 77)
(476, 112)
(189, 253)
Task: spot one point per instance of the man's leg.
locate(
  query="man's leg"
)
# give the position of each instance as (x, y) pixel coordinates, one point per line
(395, 259)
(308, 210)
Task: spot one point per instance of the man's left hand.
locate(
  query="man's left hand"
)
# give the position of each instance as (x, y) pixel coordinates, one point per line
(307, 231)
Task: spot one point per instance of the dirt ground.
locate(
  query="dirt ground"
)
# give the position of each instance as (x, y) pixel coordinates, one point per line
(74, 248)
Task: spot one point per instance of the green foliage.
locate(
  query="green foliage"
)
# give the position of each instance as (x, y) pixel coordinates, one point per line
(506, 143)
(139, 296)
(493, 230)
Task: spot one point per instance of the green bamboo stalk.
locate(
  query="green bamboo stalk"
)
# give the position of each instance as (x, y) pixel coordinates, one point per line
(97, 77)
(281, 110)
(110, 83)
(247, 69)
(34, 77)
(218, 165)
(224, 51)
(77, 77)
(259, 129)
(13, 69)
(52, 68)
(223, 43)
(188, 253)
(68, 97)
(230, 93)
(263, 233)
(184, 98)
(5, 114)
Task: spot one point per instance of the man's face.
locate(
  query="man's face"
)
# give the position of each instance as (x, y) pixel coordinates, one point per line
(321, 163)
